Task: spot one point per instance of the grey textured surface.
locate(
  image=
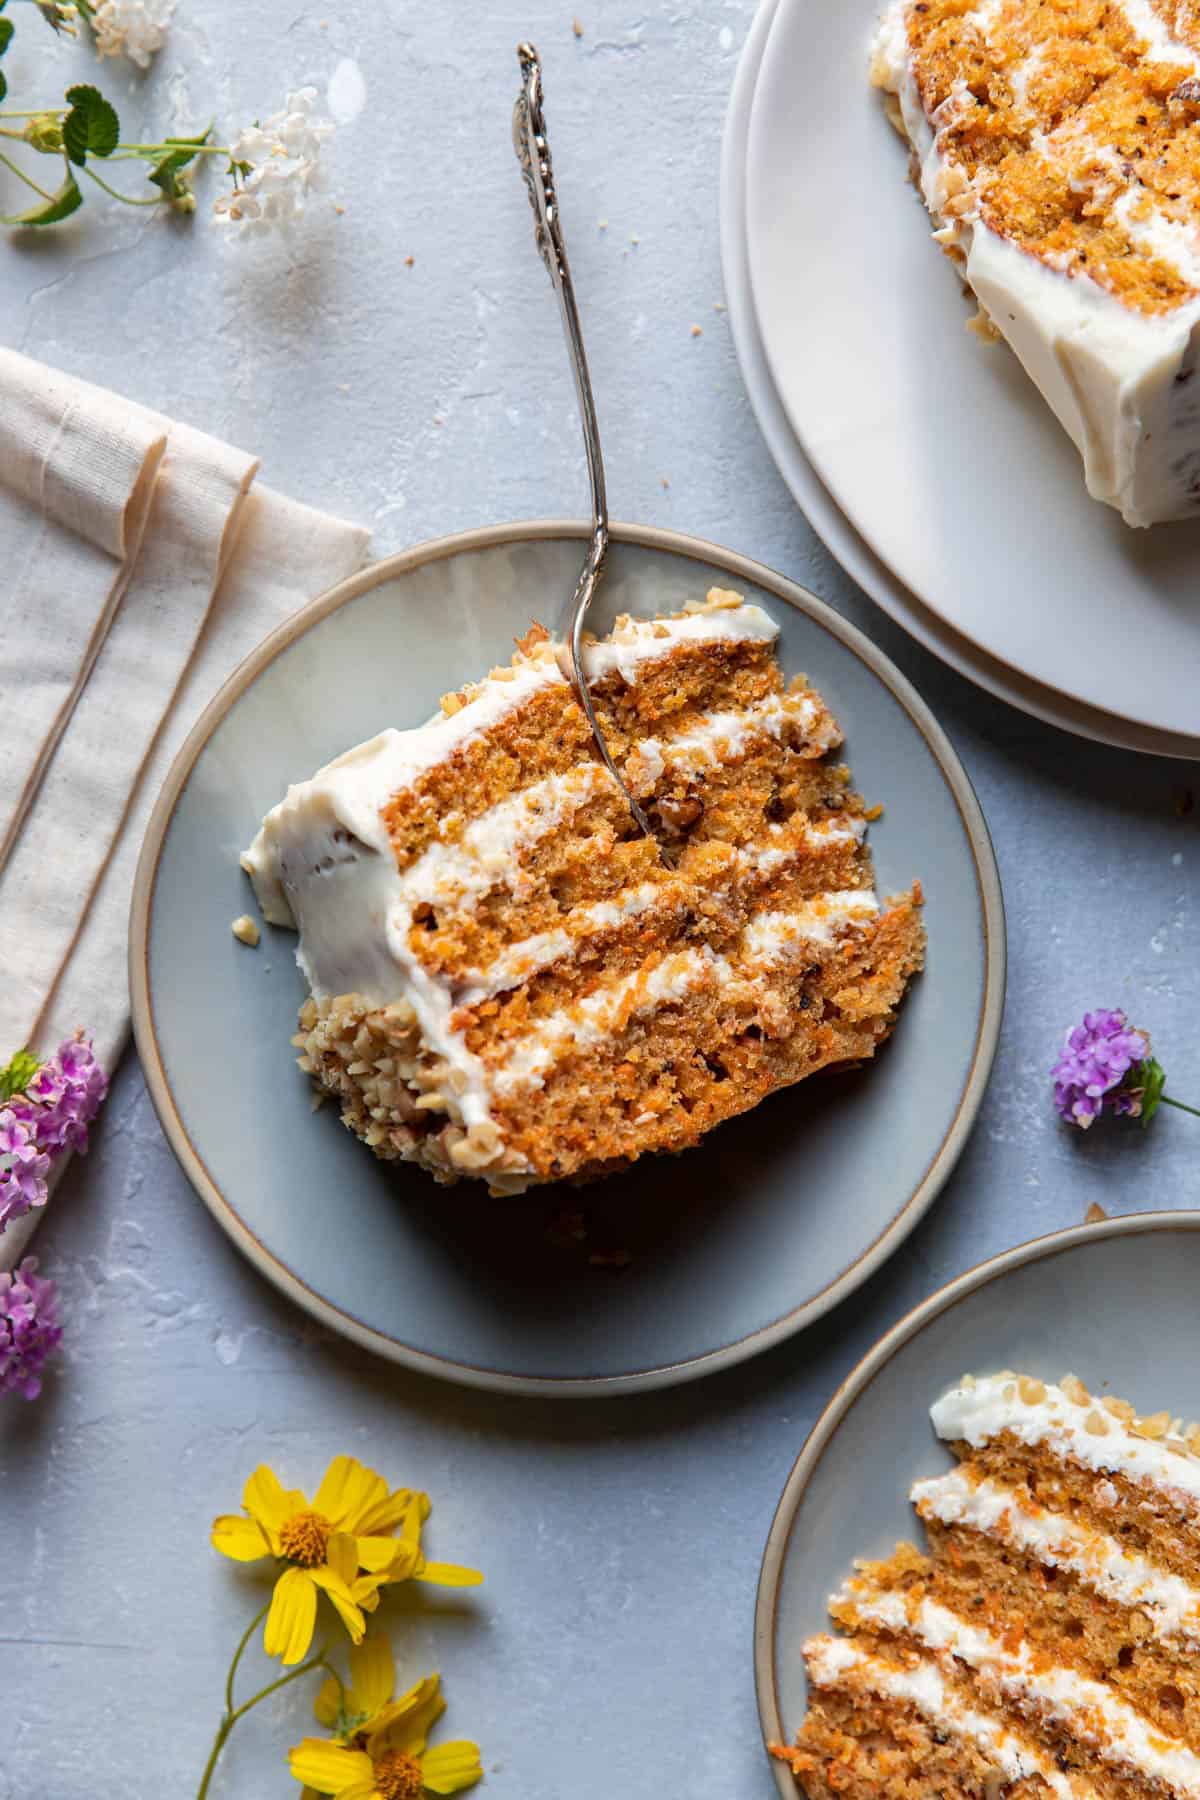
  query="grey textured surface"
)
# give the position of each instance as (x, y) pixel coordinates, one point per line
(610, 1651)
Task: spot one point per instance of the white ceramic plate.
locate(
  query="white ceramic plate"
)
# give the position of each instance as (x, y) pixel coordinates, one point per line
(815, 500)
(1079, 1299)
(939, 450)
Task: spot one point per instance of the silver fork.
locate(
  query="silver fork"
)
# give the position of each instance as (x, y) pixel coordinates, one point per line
(533, 154)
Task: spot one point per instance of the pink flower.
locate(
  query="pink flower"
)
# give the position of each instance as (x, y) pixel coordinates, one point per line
(29, 1329)
(23, 1167)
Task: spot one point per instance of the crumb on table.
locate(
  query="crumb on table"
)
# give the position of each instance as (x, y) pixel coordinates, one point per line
(246, 931)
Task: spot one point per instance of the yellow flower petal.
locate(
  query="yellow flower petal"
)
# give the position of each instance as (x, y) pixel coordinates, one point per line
(389, 1511)
(404, 1725)
(267, 1500)
(240, 1538)
(293, 1614)
(414, 1518)
(374, 1553)
(406, 1561)
(347, 1491)
(365, 1592)
(448, 1768)
(372, 1674)
(341, 1555)
(328, 1702)
(330, 1768)
(360, 1790)
(448, 1574)
(347, 1610)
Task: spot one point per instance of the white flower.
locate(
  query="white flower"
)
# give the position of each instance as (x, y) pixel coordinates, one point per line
(132, 28)
(284, 152)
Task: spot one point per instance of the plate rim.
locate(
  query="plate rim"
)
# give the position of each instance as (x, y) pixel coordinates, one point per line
(851, 1389)
(741, 568)
(779, 26)
(863, 565)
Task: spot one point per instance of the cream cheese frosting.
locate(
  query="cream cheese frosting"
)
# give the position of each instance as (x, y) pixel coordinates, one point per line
(831, 1660)
(1114, 377)
(1089, 1709)
(979, 1410)
(1100, 1561)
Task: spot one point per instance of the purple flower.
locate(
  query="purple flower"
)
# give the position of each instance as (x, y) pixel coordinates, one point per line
(29, 1329)
(1098, 1069)
(64, 1096)
(23, 1167)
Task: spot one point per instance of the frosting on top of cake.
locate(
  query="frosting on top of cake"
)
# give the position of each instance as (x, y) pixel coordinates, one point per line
(980, 1410)
(1110, 353)
(635, 641)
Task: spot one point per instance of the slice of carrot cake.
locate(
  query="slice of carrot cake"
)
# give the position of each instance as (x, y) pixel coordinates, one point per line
(1049, 1642)
(1056, 144)
(508, 980)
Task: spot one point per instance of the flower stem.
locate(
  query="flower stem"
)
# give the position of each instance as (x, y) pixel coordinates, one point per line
(229, 1715)
(237, 1655)
(1179, 1104)
(306, 1668)
(127, 198)
(232, 1713)
(124, 152)
(27, 179)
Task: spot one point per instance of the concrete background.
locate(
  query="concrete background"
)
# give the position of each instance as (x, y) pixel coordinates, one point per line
(610, 1652)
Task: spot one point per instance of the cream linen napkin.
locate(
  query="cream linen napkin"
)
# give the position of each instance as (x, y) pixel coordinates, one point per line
(140, 566)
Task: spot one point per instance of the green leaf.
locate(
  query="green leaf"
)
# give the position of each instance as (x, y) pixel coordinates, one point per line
(3, 87)
(6, 32)
(165, 172)
(67, 200)
(1151, 1077)
(91, 126)
(16, 1076)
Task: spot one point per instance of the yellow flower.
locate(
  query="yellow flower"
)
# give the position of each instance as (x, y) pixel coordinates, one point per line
(381, 1752)
(339, 1545)
(408, 1563)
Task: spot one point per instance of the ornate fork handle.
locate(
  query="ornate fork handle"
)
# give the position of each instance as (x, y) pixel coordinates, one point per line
(533, 154)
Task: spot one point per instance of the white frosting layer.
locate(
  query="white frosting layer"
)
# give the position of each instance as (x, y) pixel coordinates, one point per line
(830, 1660)
(1101, 1562)
(819, 921)
(635, 641)
(769, 937)
(1108, 372)
(719, 736)
(977, 1413)
(521, 960)
(609, 1010)
(1088, 1709)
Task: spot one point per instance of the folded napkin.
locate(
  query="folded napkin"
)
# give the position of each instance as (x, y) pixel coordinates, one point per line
(142, 562)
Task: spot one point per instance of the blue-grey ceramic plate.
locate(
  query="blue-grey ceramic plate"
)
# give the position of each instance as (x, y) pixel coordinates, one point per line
(733, 1246)
(1077, 1300)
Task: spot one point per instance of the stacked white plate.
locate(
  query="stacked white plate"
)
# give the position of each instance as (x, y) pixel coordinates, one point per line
(924, 458)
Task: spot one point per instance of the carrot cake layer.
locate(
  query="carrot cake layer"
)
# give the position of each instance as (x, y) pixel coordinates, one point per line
(1049, 1642)
(509, 980)
(1056, 144)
